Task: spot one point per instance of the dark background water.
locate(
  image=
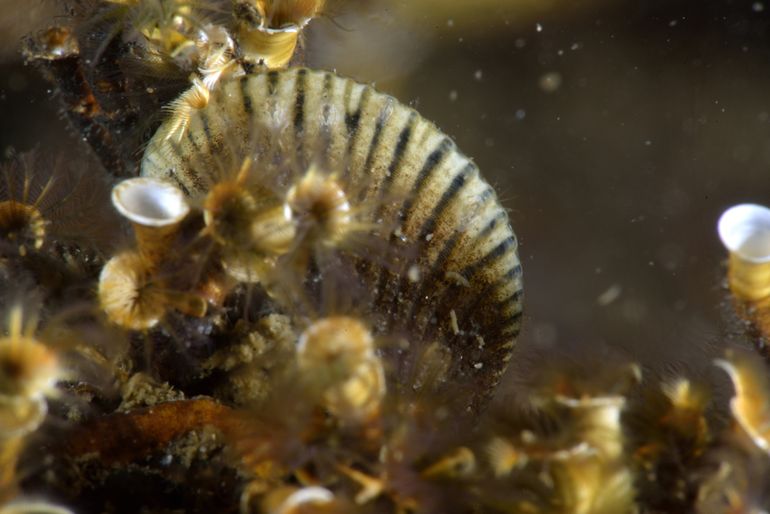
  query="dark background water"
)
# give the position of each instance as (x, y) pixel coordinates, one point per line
(616, 133)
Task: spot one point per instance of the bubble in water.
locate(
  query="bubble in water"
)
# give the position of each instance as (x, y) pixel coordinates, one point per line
(550, 82)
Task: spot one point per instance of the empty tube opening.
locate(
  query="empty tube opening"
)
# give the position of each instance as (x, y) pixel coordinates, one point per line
(745, 231)
(150, 202)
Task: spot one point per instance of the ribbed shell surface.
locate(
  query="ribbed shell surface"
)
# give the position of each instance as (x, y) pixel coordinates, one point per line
(467, 292)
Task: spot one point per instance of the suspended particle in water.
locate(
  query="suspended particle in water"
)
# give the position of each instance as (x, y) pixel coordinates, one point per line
(550, 82)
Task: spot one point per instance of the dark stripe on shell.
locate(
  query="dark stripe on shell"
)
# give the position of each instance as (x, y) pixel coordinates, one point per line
(299, 104)
(382, 118)
(450, 193)
(246, 95)
(272, 82)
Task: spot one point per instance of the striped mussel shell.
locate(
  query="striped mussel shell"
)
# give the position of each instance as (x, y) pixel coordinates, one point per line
(457, 281)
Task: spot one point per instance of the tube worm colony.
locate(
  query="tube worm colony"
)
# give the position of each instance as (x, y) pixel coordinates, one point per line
(306, 307)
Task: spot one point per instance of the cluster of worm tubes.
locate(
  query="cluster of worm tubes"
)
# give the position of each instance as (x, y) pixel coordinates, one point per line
(273, 289)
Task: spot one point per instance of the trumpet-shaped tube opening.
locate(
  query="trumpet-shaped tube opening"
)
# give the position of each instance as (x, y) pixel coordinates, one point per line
(150, 202)
(312, 495)
(273, 47)
(745, 231)
(20, 416)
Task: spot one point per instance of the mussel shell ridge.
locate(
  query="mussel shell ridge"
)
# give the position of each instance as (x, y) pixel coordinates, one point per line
(467, 294)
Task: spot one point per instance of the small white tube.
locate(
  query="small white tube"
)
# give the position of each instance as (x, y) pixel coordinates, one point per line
(155, 209)
(307, 495)
(745, 231)
(150, 202)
